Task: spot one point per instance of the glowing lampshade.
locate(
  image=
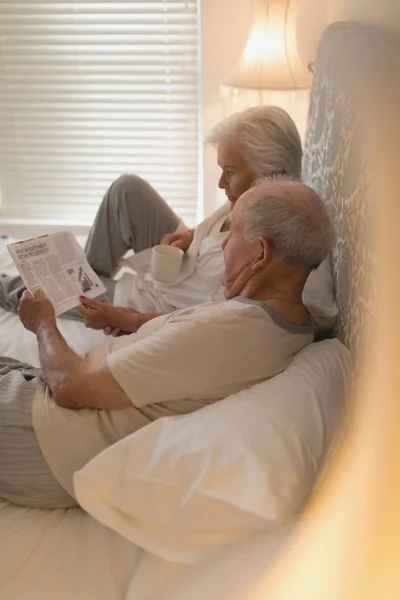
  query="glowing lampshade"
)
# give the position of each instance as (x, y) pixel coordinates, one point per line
(270, 60)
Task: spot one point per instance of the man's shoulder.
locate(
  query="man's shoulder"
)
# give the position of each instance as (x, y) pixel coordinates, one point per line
(223, 310)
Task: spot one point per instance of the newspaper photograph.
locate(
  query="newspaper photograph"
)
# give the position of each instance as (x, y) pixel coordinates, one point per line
(56, 264)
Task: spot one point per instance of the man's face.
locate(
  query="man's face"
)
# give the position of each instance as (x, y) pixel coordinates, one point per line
(239, 255)
(236, 176)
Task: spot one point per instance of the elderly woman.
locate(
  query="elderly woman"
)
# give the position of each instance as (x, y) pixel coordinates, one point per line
(257, 143)
(178, 363)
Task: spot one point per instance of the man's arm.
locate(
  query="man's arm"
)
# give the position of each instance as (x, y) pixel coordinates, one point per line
(73, 382)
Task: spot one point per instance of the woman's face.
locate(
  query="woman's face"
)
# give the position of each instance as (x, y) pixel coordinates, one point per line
(236, 177)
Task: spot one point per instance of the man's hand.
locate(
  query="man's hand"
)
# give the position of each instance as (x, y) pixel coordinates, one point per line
(115, 331)
(35, 309)
(73, 382)
(179, 240)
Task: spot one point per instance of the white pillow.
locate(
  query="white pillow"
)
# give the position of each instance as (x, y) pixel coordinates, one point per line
(246, 463)
(319, 296)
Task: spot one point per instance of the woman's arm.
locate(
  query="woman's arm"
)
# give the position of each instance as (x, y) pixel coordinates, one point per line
(100, 315)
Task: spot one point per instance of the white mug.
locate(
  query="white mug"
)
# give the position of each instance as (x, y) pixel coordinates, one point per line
(166, 263)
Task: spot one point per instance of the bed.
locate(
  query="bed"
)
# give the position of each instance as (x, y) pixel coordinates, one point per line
(68, 554)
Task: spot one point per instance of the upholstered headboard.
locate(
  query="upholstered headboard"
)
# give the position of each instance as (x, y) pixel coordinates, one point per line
(335, 163)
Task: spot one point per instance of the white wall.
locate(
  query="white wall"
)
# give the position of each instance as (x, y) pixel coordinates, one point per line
(225, 26)
(316, 15)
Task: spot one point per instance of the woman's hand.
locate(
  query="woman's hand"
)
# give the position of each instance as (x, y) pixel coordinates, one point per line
(114, 320)
(179, 240)
(97, 314)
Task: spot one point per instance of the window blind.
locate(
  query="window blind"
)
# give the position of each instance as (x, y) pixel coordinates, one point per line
(91, 90)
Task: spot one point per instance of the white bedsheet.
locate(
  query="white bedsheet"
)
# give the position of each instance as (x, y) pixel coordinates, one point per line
(63, 555)
(67, 555)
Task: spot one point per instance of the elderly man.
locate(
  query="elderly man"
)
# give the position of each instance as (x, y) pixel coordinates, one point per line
(54, 421)
(259, 142)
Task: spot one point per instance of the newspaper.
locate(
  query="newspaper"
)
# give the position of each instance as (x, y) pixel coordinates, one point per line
(56, 264)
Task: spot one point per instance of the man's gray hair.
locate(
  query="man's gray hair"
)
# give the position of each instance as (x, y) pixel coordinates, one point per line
(267, 139)
(298, 236)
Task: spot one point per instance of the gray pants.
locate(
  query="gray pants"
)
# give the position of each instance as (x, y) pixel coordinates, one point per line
(25, 477)
(132, 216)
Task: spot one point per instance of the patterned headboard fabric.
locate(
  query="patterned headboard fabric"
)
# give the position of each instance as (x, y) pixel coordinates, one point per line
(335, 163)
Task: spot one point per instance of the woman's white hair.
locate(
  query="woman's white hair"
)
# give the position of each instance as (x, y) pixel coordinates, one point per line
(299, 234)
(266, 138)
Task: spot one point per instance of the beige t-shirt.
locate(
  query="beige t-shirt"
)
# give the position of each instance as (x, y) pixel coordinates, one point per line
(174, 364)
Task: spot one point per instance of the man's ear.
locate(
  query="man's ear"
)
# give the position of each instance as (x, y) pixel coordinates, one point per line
(263, 254)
